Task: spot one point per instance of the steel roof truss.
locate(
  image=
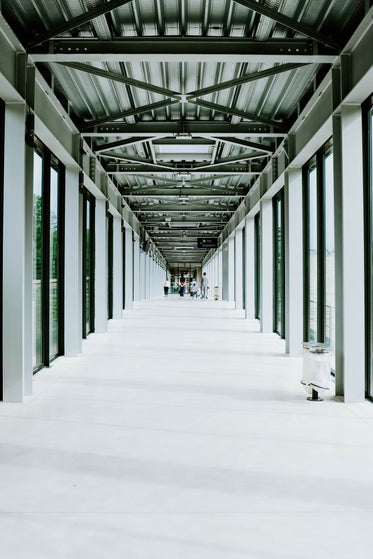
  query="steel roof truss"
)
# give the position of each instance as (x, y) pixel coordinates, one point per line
(78, 21)
(123, 79)
(242, 114)
(129, 112)
(286, 21)
(243, 79)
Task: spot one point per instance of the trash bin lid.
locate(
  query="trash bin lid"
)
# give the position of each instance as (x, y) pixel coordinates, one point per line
(319, 349)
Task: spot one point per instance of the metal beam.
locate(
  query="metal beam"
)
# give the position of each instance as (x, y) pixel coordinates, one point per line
(176, 193)
(181, 142)
(120, 143)
(134, 159)
(234, 159)
(207, 128)
(242, 114)
(122, 169)
(243, 79)
(128, 112)
(184, 211)
(77, 21)
(184, 49)
(123, 79)
(286, 21)
(247, 144)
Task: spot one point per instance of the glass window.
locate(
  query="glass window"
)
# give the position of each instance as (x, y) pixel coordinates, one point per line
(47, 309)
(320, 249)
(257, 225)
(109, 241)
(2, 117)
(279, 265)
(53, 265)
(312, 255)
(88, 263)
(369, 175)
(329, 251)
(37, 237)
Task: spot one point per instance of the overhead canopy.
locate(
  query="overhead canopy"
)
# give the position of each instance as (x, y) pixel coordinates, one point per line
(183, 101)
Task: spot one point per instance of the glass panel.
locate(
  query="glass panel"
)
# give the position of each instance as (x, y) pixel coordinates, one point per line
(88, 267)
(109, 245)
(329, 251)
(37, 355)
(257, 265)
(370, 155)
(279, 265)
(312, 254)
(53, 265)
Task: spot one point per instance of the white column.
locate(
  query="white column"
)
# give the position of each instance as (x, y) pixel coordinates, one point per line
(231, 270)
(128, 270)
(350, 299)
(136, 269)
(142, 275)
(14, 253)
(238, 268)
(117, 267)
(225, 272)
(249, 267)
(220, 271)
(267, 267)
(73, 265)
(293, 262)
(100, 267)
(147, 276)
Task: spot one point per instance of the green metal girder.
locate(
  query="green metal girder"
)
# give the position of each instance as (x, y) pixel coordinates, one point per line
(129, 112)
(178, 209)
(173, 49)
(227, 160)
(120, 143)
(123, 169)
(207, 128)
(77, 21)
(242, 114)
(123, 79)
(133, 159)
(247, 144)
(176, 193)
(286, 21)
(243, 79)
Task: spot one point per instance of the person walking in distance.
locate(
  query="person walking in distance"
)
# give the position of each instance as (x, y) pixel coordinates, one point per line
(166, 287)
(204, 286)
(182, 285)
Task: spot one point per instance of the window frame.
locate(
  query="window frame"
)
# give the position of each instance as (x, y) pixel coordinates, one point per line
(2, 145)
(316, 162)
(279, 197)
(88, 197)
(49, 161)
(367, 109)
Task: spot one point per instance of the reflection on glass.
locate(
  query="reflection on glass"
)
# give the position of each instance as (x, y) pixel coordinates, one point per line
(371, 234)
(312, 255)
(53, 265)
(329, 251)
(257, 265)
(279, 264)
(37, 355)
(88, 266)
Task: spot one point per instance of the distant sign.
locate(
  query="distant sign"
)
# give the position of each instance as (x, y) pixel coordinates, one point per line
(207, 243)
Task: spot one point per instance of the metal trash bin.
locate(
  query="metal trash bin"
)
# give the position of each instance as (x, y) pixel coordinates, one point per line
(216, 293)
(316, 369)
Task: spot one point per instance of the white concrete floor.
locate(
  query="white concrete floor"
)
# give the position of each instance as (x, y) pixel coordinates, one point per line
(183, 433)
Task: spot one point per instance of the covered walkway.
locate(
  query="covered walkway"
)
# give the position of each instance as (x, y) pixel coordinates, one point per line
(183, 433)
